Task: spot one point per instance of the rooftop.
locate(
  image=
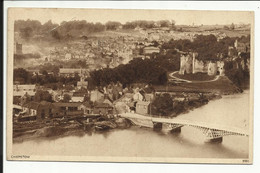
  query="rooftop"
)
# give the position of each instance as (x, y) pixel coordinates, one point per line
(25, 86)
(73, 70)
(102, 105)
(32, 105)
(68, 104)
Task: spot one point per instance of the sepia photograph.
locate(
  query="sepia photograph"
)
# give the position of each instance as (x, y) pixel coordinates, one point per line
(130, 85)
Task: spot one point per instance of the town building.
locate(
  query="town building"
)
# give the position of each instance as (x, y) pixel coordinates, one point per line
(21, 90)
(124, 103)
(70, 72)
(102, 108)
(150, 49)
(36, 111)
(86, 108)
(138, 96)
(68, 56)
(77, 99)
(96, 95)
(82, 84)
(67, 109)
(143, 107)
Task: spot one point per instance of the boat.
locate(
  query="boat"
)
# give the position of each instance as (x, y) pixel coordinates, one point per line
(101, 127)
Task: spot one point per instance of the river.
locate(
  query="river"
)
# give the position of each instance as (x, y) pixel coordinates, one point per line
(230, 110)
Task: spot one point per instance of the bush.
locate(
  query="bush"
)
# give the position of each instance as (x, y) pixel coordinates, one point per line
(162, 105)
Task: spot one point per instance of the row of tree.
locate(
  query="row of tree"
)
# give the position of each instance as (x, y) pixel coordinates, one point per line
(136, 71)
(78, 28)
(149, 24)
(49, 80)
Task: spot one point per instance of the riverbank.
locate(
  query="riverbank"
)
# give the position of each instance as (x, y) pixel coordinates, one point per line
(72, 127)
(79, 126)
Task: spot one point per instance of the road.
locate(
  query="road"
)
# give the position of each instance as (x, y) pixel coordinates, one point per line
(179, 80)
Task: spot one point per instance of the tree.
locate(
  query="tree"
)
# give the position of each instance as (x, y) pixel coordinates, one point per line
(112, 25)
(55, 34)
(41, 95)
(155, 43)
(25, 99)
(21, 75)
(232, 26)
(43, 72)
(162, 105)
(173, 24)
(66, 98)
(86, 98)
(164, 23)
(26, 32)
(226, 27)
(129, 25)
(48, 26)
(34, 24)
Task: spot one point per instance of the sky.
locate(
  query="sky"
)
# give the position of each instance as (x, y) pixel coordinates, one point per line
(181, 17)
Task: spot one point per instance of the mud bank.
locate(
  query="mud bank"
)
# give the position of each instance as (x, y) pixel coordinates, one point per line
(71, 128)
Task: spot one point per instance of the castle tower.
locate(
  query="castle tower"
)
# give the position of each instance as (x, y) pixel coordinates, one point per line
(236, 44)
(221, 69)
(18, 48)
(186, 64)
(212, 69)
(193, 62)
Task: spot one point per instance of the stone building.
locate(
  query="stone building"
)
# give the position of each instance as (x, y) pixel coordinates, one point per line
(143, 107)
(150, 50)
(70, 72)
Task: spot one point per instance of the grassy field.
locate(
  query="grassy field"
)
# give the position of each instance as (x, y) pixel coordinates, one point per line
(122, 32)
(221, 86)
(236, 33)
(195, 77)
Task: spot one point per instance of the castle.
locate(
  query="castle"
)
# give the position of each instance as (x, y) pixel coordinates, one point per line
(189, 64)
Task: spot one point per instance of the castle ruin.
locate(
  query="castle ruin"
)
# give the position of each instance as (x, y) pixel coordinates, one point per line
(190, 64)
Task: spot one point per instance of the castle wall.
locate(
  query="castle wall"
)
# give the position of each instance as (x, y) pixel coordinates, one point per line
(212, 68)
(189, 64)
(185, 64)
(221, 70)
(200, 66)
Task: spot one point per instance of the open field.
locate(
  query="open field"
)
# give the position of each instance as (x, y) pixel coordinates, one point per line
(221, 86)
(194, 77)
